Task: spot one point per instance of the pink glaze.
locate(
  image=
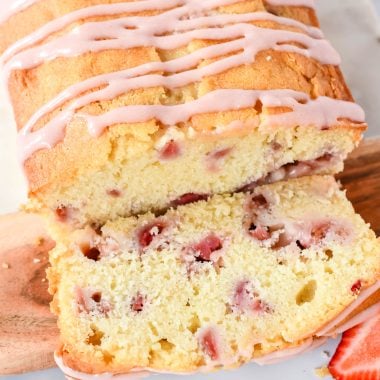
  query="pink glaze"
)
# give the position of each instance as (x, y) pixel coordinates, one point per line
(330, 329)
(11, 7)
(139, 373)
(320, 112)
(155, 23)
(114, 34)
(119, 82)
(104, 376)
(279, 356)
(148, 31)
(295, 3)
(181, 22)
(363, 316)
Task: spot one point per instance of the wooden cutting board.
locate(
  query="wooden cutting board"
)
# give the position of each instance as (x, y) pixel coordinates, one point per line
(28, 332)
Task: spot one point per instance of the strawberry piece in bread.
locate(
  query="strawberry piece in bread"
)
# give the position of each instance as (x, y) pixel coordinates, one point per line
(358, 354)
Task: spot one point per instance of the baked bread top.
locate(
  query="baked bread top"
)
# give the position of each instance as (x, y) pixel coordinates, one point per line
(199, 64)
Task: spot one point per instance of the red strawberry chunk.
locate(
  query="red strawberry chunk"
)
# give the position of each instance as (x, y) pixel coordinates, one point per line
(138, 302)
(170, 151)
(259, 232)
(148, 233)
(206, 247)
(320, 231)
(91, 301)
(215, 159)
(62, 213)
(66, 214)
(259, 201)
(246, 299)
(114, 193)
(189, 198)
(209, 343)
(92, 253)
(355, 288)
(358, 354)
(243, 295)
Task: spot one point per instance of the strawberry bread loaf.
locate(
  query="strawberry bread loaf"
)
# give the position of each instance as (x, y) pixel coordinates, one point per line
(213, 284)
(127, 107)
(181, 152)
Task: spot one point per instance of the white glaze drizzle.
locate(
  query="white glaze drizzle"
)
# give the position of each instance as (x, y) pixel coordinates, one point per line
(320, 112)
(330, 328)
(11, 7)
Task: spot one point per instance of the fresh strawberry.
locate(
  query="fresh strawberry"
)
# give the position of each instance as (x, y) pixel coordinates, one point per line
(170, 151)
(358, 354)
(149, 232)
(209, 343)
(206, 247)
(189, 198)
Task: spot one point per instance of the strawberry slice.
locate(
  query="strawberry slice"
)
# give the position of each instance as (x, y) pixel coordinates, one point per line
(358, 354)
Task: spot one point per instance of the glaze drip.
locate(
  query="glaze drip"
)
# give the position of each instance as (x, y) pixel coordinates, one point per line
(11, 7)
(320, 112)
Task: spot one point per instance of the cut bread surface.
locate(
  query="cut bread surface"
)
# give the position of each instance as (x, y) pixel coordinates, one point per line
(155, 175)
(211, 284)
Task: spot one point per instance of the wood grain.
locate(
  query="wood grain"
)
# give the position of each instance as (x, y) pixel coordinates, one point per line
(361, 178)
(28, 332)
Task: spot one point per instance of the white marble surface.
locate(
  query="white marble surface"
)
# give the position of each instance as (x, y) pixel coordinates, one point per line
(354, 29)
(351, 25)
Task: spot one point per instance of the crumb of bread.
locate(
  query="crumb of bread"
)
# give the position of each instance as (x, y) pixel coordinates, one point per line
(322, 372)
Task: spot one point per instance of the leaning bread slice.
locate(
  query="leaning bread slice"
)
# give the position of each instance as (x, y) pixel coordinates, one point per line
(213, 284)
